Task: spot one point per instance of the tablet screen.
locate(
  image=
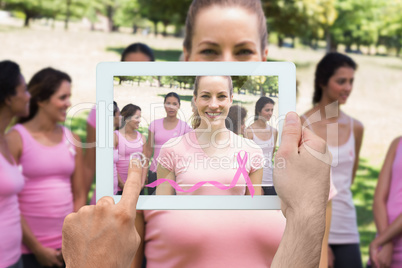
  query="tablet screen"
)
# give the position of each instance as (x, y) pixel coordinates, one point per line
(161, 110)
(157, 118)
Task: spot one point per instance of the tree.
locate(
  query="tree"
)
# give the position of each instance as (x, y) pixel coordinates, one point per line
(165, 11)
(357, 22)
(30, 8)
(390, 29)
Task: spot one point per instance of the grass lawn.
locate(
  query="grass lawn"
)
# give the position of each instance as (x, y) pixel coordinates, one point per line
(363, 189)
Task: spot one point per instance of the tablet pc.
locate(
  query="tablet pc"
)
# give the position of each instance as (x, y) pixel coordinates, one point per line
(146, 83)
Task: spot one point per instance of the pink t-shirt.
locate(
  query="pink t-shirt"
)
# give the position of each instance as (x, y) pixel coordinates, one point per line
(12, 182)
(47, 196)
(213, 238)
(161, 136)
(185, 157)
(394, 203)
(125, 149)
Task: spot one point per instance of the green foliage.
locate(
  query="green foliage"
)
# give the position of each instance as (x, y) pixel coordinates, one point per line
(47, 8)
(357, 22)
(166, 11)
(363, 193)
(348, 22)
(261, 85)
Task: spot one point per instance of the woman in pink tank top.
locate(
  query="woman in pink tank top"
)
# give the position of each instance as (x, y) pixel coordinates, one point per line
(133, 52)
(333, 84)
(14, 101)
(128, 140)
(89, 158)
(386, 249)
(265, 136)
(51, 160)
(161, 131)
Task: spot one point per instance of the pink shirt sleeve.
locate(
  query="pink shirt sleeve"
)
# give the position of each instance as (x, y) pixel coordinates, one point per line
(92, 117)
(166, 158)
(171, 158)
(187, 128)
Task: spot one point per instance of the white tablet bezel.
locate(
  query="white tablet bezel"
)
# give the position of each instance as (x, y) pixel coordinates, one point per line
(106, 71)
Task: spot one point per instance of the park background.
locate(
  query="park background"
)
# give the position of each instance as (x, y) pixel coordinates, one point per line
(74, 36)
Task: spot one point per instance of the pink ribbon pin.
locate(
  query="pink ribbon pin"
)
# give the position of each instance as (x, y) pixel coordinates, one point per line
(241, 170)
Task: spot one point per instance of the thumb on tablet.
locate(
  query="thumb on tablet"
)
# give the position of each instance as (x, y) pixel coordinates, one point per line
(291, 134)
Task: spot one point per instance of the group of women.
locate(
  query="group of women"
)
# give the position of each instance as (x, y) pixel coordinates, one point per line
(41, 160)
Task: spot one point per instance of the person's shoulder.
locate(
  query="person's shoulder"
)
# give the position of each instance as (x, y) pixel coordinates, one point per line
(13, 134)
(249, 131)
(307, 114)
(156, 122)
(395, 142)
(72, 137)
(358, 127)
(185, 124)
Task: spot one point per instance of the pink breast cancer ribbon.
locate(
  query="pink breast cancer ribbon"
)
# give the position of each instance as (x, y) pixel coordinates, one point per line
(241, 170)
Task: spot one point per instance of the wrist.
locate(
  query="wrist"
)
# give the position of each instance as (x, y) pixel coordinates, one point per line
(37, 250)
(308, 224)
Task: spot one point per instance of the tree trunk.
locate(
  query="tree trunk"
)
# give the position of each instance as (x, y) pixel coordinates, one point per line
(328, 40)
(332, 46)
(109, 12)
(135, 28)
(27, 18)
(68, 4)
(165, 24)
(155, 27)
(280, 41)
(315, 45)
(293, 41)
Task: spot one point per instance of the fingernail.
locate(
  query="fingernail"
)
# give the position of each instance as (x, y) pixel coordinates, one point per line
(291, 118)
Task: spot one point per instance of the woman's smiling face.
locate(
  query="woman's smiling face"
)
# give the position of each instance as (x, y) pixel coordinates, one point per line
(339, 85)
(213, 99)
(226, 34)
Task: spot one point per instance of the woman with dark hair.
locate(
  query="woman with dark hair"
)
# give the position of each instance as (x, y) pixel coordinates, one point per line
(51, 159)
(128, 140)
(138, 52)
(236, 119)
(333, 84)
(265, 136)
(161, 131)
(14, 101)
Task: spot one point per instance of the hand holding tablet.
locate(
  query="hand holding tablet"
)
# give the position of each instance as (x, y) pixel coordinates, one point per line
(302, 180)
(104, 235)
